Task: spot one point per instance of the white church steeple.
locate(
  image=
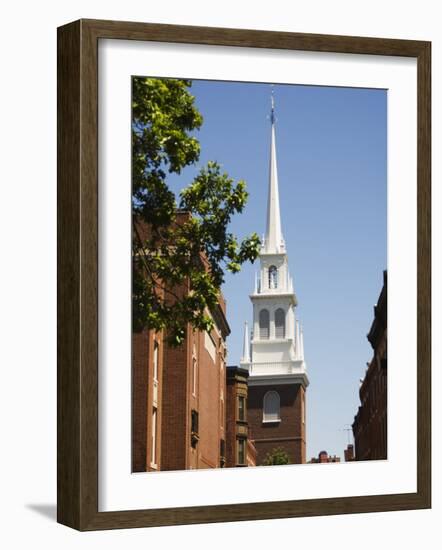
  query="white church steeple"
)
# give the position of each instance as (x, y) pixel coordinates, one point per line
(275, 354)
(273, 240)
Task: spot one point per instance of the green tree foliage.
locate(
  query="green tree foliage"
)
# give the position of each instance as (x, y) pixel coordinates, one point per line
(179, 264)
(276, 456)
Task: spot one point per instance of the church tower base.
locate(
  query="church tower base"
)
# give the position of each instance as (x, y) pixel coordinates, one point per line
(287, 433)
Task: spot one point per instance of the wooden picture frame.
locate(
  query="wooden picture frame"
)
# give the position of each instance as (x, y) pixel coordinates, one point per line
(77, 461)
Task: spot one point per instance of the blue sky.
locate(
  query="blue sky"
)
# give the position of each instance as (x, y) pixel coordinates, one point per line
(332, 155)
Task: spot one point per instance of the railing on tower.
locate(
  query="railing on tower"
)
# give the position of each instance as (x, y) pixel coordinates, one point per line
(280, 367)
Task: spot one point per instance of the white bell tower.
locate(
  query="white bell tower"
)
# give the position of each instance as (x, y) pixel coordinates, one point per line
(276, 351)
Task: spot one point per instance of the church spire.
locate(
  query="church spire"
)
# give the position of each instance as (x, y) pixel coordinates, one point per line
(246, 347)
(273, 237)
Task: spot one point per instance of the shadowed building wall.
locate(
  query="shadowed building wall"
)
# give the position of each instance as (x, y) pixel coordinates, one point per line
(240, 450)
(370, 423)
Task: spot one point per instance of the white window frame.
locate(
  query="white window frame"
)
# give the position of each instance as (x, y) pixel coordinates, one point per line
(194, 375)
(210, 346)
(241, 442)
(153, 451)
(274, 416)
(273, 277)
(156, 349)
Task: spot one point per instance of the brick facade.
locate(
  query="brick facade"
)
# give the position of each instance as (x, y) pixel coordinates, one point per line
(240, 451)
(187, 398)
(349, 453)
(146, 397)
(370, 423)
(194, 385)
(192, 381)
(324, 458)
(289, 432)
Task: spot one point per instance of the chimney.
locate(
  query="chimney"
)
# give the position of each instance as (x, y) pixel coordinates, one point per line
(323, 457)
(349, 454)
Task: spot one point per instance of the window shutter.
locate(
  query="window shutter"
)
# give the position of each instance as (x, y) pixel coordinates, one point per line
(280, 323)
(264, 324)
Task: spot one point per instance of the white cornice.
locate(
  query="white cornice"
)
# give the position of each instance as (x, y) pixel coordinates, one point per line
(278, 379)
(274, 295)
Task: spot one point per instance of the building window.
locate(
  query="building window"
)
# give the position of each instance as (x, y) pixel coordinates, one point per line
(222, 453)
(210, 346)
(271, 407)
(241, 451)
(264, 324)
(273, 277)
(194, 375)
(153, 453)
(155, 365)
(279, 323)
(155, 360)
(194, 436)
(241, 408)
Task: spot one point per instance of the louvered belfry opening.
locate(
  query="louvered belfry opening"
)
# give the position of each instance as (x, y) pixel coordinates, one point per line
(280, 323)
(264, 324)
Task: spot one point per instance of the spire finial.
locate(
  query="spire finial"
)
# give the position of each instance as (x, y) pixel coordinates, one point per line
(272, 99)
(273, 238)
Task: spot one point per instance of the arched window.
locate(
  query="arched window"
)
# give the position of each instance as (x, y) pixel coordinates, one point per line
(279, 323)
(271, 406)
(273, 277)
(264, 324)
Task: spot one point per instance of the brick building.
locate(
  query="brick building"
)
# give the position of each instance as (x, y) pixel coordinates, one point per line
(275, 356)
(285, 425)
(324, 458)
(178, 408)
(370, 423)
(147, 384)
(251, 454)
(240, 449)
(349, 453)
(194, 392)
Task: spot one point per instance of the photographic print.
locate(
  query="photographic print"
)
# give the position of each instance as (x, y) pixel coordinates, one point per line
(222, 275)
(259, 274)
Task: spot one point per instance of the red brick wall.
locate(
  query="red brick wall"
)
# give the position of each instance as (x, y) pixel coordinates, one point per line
(142, 400)
(140, 367)
(175, 432)
(289, 433)
(179, 401)
(251, 453)
(209, 393)
(231, 392)
(370, 423)
(235, 428)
